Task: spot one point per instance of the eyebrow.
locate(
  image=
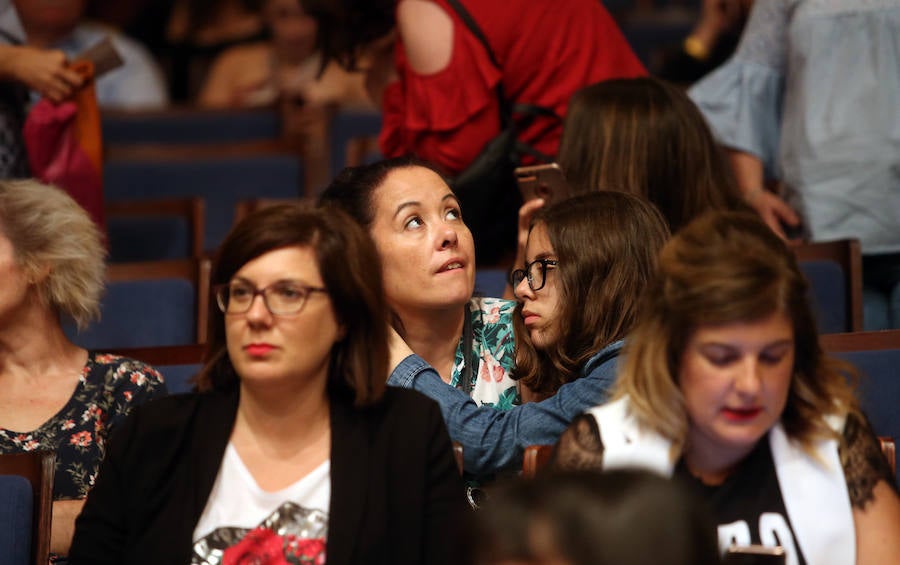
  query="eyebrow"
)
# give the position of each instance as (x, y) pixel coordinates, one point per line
(777, 343)
(403, 205)
(277, 281)
(544, 255)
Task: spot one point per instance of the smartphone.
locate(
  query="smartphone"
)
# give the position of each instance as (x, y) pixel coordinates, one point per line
(543, 181)
(754, 555)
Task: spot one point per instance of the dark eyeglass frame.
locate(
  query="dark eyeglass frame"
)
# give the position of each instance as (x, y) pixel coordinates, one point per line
(516, 276)
(222, 291)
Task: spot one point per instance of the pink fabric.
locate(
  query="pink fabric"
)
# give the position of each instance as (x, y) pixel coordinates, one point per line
(56, 156)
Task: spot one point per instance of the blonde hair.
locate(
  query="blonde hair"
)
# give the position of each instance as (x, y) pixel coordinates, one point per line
(728, 267)
(57, 245)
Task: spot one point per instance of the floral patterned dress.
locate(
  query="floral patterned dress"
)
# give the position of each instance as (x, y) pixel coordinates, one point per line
(494, 346)
(109, 387)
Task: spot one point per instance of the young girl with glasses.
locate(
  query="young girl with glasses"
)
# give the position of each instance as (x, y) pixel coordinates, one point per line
(588, 258)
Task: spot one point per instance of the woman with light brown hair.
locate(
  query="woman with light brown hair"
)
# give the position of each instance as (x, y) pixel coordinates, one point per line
(726, 388)
(646, 137)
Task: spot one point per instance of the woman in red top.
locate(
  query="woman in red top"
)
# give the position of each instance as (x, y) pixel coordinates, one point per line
(435, 81)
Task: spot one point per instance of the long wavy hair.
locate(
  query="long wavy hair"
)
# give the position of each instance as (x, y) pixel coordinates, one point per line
(606, 244)
(724, 268)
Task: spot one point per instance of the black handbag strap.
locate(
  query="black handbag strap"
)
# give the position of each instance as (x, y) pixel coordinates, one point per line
(528, 111)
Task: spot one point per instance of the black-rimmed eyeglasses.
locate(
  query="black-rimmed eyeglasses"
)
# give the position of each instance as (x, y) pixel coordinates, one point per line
(535, 272)
(281, 298)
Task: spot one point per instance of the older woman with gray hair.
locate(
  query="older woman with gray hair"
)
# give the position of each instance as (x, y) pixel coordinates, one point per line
(57, 396)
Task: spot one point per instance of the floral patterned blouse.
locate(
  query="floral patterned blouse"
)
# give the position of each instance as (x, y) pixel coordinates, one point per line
(109, 387)
(494, 346)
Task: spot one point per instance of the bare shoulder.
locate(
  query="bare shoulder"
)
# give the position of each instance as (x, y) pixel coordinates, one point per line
(427, 33)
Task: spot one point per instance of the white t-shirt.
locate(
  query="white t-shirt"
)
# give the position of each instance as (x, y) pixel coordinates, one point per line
(242, 522)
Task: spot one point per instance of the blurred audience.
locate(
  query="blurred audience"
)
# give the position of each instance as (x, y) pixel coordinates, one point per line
(56, 395)
(286, 66)
(288, 72)
(48, 24)
(624, 517)
(198, 31)
(725, 387)
(810, 98)
(294, 429)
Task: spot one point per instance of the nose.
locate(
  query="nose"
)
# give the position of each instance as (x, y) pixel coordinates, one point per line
(448, 237)
(748, 378)
(523, 291)
(258, 312)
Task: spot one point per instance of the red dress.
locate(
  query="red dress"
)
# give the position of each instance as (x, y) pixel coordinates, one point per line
(548, 49)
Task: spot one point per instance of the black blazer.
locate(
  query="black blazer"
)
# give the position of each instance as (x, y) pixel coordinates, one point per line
(396, 494)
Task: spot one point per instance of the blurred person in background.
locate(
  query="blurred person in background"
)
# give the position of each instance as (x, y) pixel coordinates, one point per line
(810, 99)
(50, 24)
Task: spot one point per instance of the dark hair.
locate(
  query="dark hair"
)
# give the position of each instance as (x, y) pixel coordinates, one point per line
(350, 269)
(723, 268)
(606, 243)
(353, 189)
(345, 27)
(625, 517)
(645, 136)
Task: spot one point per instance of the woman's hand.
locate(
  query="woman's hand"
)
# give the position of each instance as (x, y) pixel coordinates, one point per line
(41, 70)
(398, 348)
(775, 212)
(526, 212)
(717, 17)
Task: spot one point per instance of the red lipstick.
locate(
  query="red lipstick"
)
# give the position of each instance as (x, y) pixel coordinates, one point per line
(258, 349)
(741, 415)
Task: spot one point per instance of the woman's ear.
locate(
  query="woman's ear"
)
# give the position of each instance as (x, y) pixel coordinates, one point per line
(38, 274)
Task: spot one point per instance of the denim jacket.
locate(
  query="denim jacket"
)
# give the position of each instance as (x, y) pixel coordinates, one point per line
(493, 440)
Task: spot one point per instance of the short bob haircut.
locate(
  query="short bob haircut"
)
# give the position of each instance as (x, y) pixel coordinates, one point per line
(351, 272)
(606, 244)
(57, 245)
(724, 268)
(585, 518)
(645, 136)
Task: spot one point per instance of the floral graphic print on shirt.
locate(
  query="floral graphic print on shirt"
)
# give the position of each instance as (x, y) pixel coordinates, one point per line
(109, 387)
(494, 346)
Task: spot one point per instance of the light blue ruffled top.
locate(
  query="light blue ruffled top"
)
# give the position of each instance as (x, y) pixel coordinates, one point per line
(814, 91)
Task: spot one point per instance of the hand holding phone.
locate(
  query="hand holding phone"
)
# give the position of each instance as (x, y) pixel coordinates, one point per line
(543, 181)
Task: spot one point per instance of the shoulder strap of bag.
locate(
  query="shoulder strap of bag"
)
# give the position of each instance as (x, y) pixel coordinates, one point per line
(507, 109)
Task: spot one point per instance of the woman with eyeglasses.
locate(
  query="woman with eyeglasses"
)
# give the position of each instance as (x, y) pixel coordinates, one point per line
(588, 259)
(295, 450)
